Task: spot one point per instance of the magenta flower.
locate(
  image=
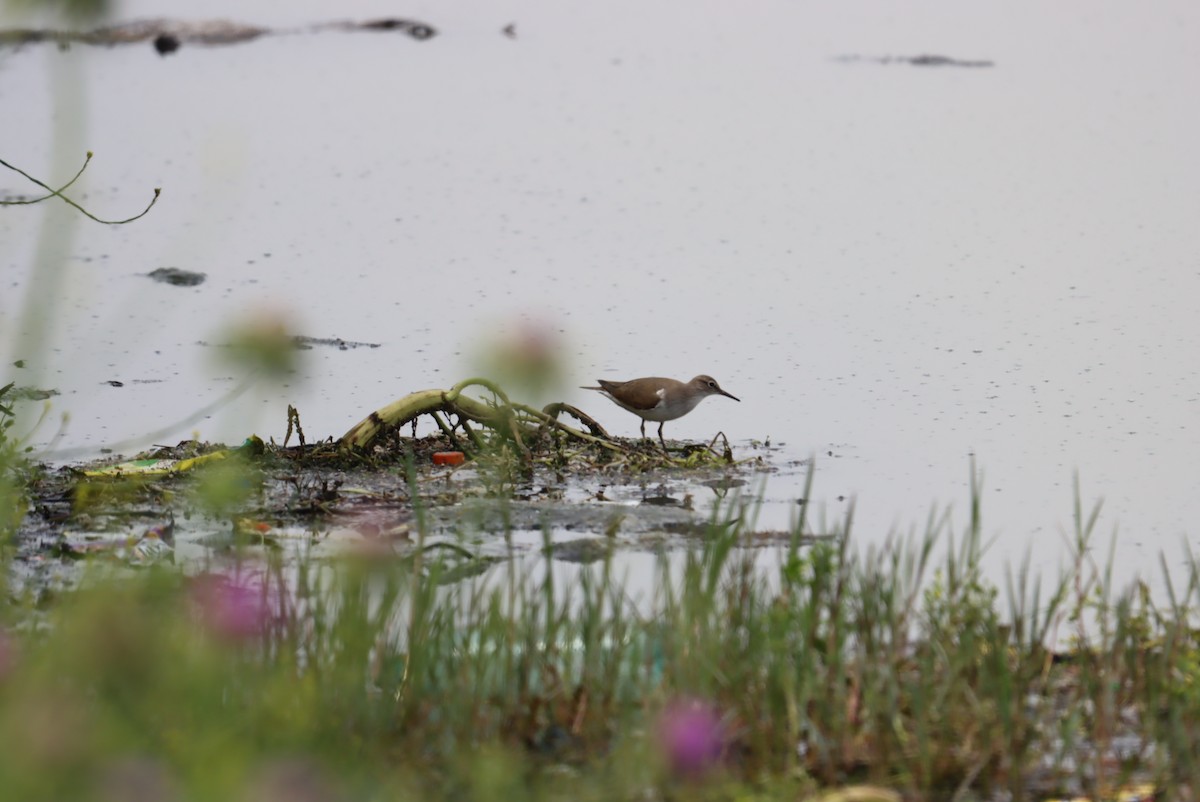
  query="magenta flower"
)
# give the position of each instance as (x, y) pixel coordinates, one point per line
(692, 737)
(232, 609)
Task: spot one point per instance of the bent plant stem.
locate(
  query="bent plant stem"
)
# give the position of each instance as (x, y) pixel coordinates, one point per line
(727, 454)
(452, 395)
(553, 410)
(505, 410)
(514, 431)
(502, 418)
(550, 420)
(446, 430)
(475, 439)
(86, 161)
(408, 409)
(57, 193)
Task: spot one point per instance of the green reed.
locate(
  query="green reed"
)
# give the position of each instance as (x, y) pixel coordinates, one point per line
(900, 665)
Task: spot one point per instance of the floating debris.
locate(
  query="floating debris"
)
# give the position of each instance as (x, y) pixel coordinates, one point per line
(924, 60)
(306, 343)
(165, 466)
(177, 277)
(155, 545)
(168, 35)
(30, 394)
(165, 43)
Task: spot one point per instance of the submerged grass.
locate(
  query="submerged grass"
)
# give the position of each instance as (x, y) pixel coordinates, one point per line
(369, 678)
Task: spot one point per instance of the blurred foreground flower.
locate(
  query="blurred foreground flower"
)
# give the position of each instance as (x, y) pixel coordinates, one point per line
(140, 779)
(233, 610)
(290, 780)
(262, 343)
(692, 737)
(527, 359)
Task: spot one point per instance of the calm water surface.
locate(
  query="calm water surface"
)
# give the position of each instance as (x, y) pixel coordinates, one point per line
(895, 267)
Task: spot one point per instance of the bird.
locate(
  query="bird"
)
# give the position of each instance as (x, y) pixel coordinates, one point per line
(657, 399)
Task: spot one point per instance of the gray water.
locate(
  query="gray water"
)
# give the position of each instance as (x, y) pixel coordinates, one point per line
(895, 267)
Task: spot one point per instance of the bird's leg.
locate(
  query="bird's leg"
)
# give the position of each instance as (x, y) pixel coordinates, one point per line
(660, 437)
(643, 428)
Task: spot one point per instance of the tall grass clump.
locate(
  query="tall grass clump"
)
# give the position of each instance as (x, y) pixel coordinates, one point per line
(376, 677)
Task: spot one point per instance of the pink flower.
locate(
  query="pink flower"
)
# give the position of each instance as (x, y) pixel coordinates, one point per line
(232, 609)
(692, 737)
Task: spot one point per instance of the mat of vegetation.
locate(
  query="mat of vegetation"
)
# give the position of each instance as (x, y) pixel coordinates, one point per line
(387, 671)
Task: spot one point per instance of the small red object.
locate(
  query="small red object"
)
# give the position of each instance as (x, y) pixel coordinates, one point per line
(449, 458)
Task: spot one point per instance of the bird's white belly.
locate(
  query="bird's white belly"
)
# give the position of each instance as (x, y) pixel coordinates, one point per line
(664, 411)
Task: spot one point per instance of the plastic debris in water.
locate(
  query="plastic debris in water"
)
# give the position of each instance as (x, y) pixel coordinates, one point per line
(448, 458)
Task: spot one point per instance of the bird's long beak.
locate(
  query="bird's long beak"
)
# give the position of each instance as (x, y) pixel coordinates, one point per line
(729, 395)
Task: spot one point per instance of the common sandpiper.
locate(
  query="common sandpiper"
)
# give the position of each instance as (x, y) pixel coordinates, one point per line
(658, 399)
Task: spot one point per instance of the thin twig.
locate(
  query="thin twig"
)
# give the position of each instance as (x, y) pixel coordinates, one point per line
(57, 193)
(87, 160)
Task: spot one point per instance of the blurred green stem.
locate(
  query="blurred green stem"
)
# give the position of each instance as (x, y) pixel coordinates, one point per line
(48, 287)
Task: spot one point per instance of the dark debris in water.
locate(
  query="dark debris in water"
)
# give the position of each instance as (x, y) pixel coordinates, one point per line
(177, 277)
(304, 342)
(924, 60)
(168, 35)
